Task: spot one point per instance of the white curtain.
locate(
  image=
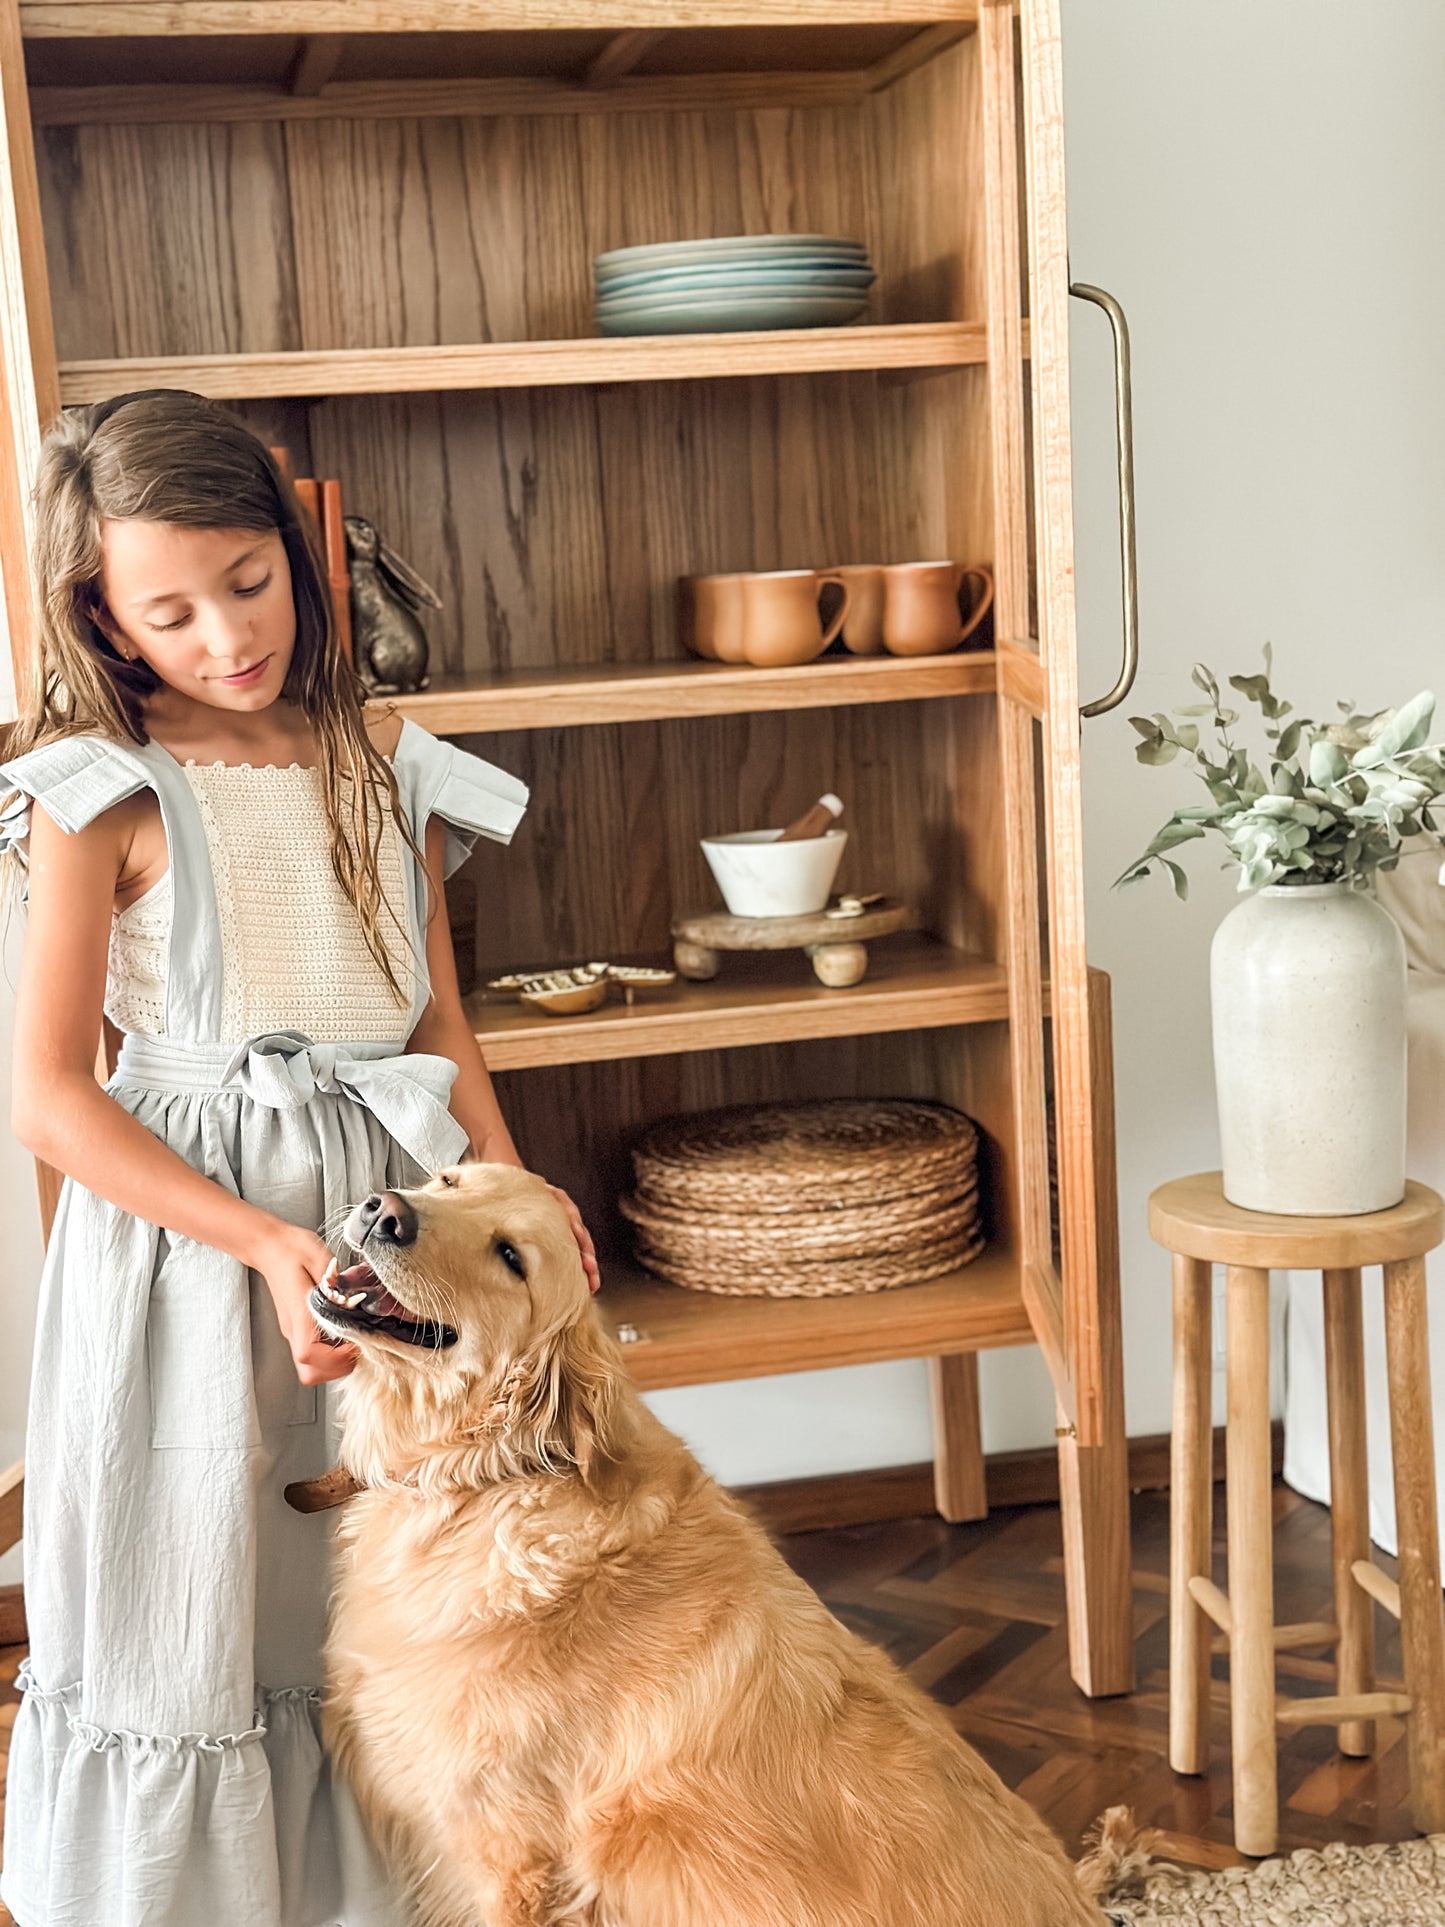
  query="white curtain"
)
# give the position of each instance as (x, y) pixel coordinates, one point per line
(1413, 895)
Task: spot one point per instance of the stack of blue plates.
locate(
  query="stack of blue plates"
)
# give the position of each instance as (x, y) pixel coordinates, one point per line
(742, 281)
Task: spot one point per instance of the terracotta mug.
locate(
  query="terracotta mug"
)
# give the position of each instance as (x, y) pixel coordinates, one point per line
(863, 626)
(710, 616)
(922, 613)
(782, 623)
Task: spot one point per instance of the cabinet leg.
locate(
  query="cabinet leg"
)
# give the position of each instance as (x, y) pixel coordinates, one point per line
(1422, 1617)
(1094, 1504)
(1349, 1497)
(958, 1477)
(1251, 1564)
(1191, 1506)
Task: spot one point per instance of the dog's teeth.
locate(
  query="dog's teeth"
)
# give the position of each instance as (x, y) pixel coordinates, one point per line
(353, 1301)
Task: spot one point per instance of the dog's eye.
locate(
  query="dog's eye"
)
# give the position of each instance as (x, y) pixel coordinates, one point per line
(449, 1179)
(511, 1258)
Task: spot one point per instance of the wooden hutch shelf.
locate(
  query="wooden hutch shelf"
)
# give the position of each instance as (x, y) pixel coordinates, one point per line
(636, 692)
(701, 1338)
(913, 983)
(133, 19)
(535, 364)
(369, 225)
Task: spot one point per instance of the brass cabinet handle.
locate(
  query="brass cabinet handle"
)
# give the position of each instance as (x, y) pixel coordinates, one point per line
(1124, 428)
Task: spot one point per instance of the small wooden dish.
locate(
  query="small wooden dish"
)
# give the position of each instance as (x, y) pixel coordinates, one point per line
(583, 987)
(567, 1003)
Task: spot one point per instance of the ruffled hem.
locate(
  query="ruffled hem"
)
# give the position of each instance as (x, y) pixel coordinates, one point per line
(102, 1739)
(171, 1830)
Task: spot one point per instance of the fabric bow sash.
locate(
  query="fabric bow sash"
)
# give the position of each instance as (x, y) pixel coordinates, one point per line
(405, 1092)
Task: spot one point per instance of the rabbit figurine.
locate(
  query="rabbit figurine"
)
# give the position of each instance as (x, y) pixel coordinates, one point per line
(389, 643)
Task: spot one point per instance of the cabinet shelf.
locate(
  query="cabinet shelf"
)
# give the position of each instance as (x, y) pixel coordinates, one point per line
(914, 982)
(636, 692)
(107, 19)
(535, 364)
(699, 1338)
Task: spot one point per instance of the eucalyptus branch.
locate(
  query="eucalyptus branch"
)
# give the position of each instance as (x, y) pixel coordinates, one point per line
(1337, 805)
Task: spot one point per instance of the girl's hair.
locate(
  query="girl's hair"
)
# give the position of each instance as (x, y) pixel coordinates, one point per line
(163, 455)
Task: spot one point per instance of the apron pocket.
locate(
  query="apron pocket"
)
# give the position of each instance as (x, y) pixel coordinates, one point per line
(198, 1349)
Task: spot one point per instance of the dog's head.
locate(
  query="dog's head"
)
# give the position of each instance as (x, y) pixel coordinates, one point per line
(471, 1311)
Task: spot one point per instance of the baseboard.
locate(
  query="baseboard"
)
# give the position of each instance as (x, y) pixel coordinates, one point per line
(906, 1491)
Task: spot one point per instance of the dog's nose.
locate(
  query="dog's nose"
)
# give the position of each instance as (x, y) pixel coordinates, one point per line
(391, 1218)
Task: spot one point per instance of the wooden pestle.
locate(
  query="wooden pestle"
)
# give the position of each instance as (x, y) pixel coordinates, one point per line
(813, 822)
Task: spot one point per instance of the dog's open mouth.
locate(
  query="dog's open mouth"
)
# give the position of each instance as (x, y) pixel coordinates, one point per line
(356, 1300)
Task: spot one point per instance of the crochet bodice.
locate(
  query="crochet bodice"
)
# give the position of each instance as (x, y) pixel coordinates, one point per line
(249, 936)
(293, 954)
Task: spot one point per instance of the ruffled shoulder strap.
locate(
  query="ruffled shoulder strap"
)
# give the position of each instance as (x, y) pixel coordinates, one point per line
(474, 798)
(75, 778)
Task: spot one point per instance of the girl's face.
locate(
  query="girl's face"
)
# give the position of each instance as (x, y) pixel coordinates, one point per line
(210, 610)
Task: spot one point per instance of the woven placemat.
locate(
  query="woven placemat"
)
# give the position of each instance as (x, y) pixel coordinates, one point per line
(1334, 1886)
(715, 1237)
(805, 1157)
(833, 1278)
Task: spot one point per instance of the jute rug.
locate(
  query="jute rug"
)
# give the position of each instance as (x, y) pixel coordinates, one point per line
(1335, 1886)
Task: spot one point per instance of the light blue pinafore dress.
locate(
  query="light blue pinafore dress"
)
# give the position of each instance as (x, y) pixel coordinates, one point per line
(166, 1767)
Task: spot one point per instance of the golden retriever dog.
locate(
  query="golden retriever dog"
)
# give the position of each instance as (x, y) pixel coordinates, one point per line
(569, 1679)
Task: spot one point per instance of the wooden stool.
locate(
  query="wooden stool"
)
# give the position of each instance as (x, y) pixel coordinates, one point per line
(1192, 1219)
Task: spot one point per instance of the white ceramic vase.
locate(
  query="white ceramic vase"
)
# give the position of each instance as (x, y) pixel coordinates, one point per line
(1307, 983)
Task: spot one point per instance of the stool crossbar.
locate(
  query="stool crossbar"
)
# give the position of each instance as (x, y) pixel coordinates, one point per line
(1192, 1219)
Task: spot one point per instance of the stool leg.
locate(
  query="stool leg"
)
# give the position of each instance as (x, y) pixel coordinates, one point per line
(1191, 1499)
(1349, 1497)
(1422, 1616)
(1251, 1564)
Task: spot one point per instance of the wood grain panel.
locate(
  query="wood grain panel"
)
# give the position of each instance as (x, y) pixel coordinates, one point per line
(609, 850)
(164, 240)
(554, 524)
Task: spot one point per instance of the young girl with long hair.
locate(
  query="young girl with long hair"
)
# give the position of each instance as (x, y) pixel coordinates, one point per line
(241, 870)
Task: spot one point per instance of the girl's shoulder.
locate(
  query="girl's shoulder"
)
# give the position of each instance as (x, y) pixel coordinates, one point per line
(472, 796)
(75, 777)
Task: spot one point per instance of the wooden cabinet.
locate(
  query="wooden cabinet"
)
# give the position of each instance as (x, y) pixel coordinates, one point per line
(369, 224)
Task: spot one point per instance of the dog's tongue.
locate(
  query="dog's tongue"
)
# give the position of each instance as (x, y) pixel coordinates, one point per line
(362, 1278)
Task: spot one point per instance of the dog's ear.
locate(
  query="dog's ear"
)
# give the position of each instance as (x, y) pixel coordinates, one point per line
(557, 1405)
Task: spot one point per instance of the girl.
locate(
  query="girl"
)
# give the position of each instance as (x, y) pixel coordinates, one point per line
(243, 871)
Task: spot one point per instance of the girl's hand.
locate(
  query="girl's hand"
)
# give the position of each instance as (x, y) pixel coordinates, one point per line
(292, 1261)
(583, 1236)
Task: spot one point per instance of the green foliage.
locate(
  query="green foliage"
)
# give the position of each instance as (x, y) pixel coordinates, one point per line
(1325, 803)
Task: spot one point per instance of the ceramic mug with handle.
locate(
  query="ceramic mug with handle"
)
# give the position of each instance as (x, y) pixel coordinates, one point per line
(782, 620)
(922, 607)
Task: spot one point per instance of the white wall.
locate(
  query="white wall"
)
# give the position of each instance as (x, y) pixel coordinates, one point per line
(1262, 184)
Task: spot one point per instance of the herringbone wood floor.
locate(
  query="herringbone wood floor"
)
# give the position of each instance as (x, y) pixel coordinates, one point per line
(976, 1615)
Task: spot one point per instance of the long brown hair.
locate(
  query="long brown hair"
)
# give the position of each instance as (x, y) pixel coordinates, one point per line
(164, 455)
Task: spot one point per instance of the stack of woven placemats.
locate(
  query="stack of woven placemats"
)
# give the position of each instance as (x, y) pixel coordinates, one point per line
(815, 1200)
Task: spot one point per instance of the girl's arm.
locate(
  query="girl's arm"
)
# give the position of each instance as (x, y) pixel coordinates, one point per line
(444, 1032)
(61, 1114)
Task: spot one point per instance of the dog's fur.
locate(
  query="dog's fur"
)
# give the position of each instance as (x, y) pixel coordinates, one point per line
(570, 1680)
